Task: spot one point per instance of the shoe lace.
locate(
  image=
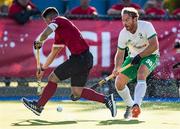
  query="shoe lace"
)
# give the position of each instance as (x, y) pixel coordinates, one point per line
(34, 106)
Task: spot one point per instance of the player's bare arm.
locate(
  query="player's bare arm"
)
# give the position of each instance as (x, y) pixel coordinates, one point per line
(51, 56)
(118, 60)
(153, 46)
(43, 36)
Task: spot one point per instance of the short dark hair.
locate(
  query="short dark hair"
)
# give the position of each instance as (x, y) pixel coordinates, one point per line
(49, 10)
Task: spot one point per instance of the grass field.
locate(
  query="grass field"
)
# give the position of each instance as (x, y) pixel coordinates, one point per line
(88, 115)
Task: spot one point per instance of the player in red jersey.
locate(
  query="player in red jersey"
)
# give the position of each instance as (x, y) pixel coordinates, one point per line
(22, 10)
(154, 7)
(84, 9)
(117, 8)
(77, 67)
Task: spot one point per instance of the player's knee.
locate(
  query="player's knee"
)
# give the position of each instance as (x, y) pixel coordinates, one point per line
(118, 84)
(121, 81)
(53, 78)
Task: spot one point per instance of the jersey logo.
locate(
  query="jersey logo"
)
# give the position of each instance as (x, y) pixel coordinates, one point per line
(139, 47)
(128, 42)
(140, 35)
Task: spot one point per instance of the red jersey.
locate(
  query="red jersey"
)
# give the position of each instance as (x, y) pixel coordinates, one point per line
(17, 8)
(89, 11)
(121, 6)
(69, 35)
(155, 11)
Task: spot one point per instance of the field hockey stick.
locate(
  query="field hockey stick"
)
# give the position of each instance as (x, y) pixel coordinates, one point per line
(100, 83)
(39, 88)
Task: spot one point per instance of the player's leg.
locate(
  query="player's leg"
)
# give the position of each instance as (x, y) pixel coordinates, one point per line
(79, 79)
(140, 89)
(49, 90)
(81, 67)
(121, 85)
(80, 91)
(147, 65)
(77, 87)
(123, 91)
(60, 73)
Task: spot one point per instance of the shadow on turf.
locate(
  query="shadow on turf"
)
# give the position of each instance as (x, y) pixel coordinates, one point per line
(119, 121)
(37, 122)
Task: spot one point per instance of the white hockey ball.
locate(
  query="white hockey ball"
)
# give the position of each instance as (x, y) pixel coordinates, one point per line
(59, 109)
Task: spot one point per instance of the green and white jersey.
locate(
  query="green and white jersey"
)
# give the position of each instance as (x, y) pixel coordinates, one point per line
(138, 41)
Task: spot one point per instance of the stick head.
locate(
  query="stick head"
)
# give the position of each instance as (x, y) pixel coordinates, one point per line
(39, 89)
(74, 98)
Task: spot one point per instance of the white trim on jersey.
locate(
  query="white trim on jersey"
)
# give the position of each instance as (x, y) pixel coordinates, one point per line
(58, 45)
(53, 26)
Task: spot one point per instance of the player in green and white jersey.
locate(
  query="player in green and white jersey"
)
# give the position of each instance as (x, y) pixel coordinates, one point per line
(141, 39)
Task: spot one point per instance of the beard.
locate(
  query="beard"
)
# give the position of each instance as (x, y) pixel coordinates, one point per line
(127, 28)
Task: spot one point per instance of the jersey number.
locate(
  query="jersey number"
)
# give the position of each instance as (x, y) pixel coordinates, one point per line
(148, 61)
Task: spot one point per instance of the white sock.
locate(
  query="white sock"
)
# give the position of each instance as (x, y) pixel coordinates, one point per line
(140, 91)
(125, 95)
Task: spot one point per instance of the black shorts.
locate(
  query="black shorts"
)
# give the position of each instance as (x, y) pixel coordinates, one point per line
(77, 68)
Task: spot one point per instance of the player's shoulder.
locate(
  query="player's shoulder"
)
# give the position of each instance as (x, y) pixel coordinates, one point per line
(59, 19)
(123, 31)
(143, 23)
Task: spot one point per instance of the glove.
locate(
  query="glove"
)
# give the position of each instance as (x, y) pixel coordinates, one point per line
(37, 45)
(136, 60)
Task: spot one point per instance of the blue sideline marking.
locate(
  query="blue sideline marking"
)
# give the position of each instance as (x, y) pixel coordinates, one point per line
(17, 98)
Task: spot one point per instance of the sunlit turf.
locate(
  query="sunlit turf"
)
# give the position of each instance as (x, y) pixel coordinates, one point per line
(173, 106)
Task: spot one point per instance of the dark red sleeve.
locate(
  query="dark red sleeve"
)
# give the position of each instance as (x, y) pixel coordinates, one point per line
(75, 10)
(161, 12)
(14, 8)
(149, 11)
(93, 9)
